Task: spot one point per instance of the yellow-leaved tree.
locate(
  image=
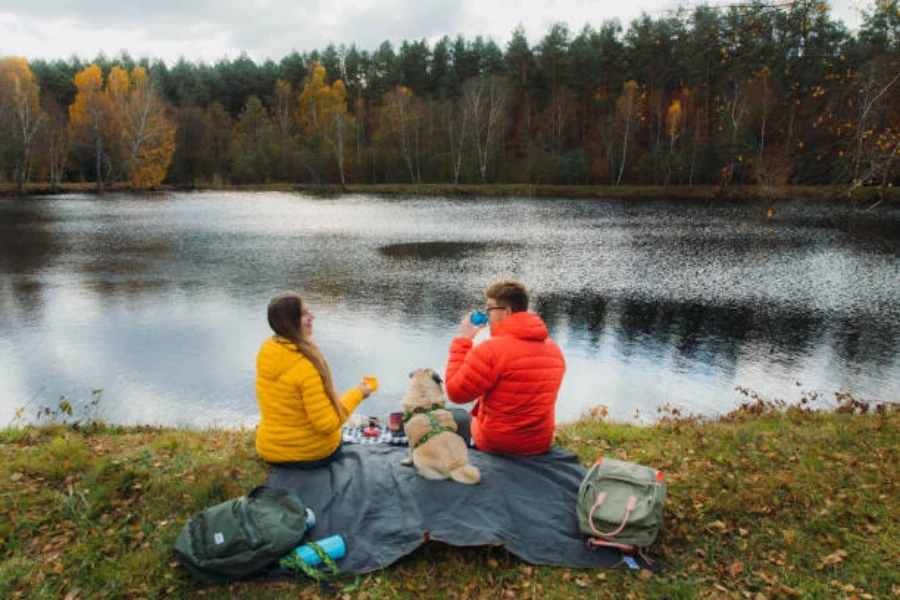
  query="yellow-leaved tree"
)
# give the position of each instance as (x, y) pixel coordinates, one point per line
(87, 114)
(20, 112)
(144, 137)
(126, 124)
(322, 114)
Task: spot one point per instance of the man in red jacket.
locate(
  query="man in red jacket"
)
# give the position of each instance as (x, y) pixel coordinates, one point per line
(515, 375)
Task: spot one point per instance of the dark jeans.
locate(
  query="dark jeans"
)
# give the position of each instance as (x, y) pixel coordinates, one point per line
(310, 464)
(463, 423)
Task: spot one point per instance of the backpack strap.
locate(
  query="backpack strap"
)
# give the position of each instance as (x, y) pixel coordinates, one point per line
(595, 542)
(632, 502)
(642, 552)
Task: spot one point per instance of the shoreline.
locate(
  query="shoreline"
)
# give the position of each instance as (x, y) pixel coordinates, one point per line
(871, 195)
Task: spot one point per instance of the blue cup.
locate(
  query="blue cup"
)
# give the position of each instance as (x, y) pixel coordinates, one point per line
(478, 318)
(333, 546)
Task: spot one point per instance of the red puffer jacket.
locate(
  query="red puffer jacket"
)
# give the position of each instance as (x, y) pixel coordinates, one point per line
(515, 374)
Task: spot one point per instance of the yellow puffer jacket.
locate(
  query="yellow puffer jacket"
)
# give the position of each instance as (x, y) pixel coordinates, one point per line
(298, 421)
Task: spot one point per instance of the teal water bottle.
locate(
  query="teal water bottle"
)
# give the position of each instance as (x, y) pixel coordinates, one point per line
(478, 318)
(333, 546)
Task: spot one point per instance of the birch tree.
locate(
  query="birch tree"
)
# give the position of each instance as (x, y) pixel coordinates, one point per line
(20, 102)
(626, 112)
(457, 130)
(484, 101)
(402, 115)
(57, 142)
(283, 116)
(143, 138)
(875, 143)
(674, 128)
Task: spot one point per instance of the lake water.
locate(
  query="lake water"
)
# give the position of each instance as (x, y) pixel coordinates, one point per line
(159, 300)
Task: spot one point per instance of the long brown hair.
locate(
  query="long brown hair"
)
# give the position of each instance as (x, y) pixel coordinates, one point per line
(284, 319)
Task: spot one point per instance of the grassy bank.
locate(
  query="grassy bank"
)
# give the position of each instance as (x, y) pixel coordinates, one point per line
(764, 503)
(732, 193)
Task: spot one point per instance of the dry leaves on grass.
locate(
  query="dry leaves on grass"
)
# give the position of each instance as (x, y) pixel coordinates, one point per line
(832, 559)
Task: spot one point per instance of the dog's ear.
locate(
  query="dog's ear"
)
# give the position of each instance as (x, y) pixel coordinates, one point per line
(437, 378)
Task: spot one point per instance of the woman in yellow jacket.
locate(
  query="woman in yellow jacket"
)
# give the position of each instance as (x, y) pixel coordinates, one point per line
(301, 414)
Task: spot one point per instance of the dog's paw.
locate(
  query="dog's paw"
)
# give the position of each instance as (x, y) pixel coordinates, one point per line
(406, 462)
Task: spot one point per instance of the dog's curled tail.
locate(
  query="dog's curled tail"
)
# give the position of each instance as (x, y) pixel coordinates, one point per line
(467, 474)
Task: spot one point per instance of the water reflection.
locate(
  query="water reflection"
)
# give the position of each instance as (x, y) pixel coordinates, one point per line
(432, 250)
(160, 300)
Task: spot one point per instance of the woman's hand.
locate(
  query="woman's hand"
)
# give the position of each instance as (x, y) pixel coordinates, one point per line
(365, 388)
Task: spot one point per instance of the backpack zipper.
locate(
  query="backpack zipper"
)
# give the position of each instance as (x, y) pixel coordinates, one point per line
(631, 481)
(247, 524)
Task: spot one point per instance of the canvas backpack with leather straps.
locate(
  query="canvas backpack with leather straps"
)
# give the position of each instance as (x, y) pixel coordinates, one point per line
(242, 537)
(620, 505)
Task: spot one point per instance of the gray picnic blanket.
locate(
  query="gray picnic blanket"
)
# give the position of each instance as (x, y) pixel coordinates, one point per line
(384, 510)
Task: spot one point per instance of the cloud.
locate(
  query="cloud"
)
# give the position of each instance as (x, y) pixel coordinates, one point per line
(206, 30)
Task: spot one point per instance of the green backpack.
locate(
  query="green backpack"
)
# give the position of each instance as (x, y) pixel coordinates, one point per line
(243, 537)
(620, 504)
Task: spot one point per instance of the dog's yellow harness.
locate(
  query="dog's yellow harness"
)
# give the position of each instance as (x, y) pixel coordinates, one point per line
(436, 428)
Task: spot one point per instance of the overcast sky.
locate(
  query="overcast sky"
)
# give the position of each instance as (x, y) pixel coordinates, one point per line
(207, 30)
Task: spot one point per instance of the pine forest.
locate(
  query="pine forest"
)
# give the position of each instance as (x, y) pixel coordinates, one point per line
(757, 94)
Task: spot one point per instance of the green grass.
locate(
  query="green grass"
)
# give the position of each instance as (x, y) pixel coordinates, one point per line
(766, 502)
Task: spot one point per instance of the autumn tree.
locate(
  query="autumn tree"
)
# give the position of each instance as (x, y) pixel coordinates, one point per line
(875, 116)
(87, 115)
(20, 112)
(143, 136)
(322, 115)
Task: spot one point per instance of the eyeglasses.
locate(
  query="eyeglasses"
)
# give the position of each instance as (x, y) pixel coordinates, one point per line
(488, 309)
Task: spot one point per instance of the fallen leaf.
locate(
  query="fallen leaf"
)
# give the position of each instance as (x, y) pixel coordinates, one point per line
(719, 525)
(835, 557)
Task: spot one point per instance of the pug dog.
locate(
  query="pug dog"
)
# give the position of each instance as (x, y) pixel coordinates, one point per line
(435, 448)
